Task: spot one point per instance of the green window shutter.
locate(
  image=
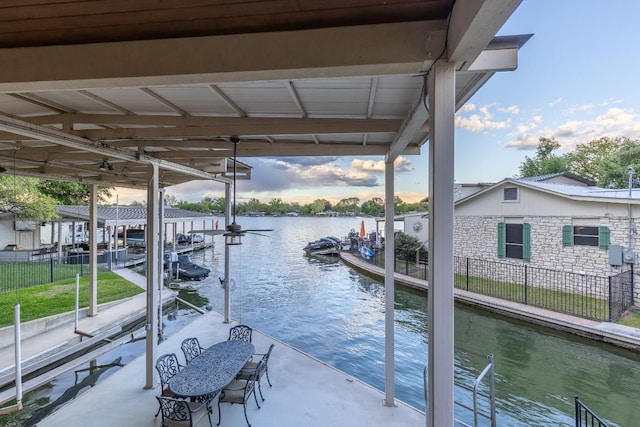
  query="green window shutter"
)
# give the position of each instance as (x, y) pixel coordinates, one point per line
(567, 235)
(526, 242)
(603, 237)
(501, 239)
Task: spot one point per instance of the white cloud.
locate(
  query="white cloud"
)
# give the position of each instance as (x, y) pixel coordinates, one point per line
(555, 102)
(466, 108)
(402, 164)
(514, 109)
(613, 122)
(477, 123)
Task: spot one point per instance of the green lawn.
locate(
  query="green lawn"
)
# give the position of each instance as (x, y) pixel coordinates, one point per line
(59, 297)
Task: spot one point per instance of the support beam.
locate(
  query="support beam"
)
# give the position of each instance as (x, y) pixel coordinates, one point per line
(93, 251)
(400, 48)
(21, 127)
(227, 254)
(389, 284)
(152, 238)
(441, 86)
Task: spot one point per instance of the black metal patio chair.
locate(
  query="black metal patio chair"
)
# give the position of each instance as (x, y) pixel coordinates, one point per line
(167, 366)
(239, 391)
(191, 348)
(177, 412)
(260, 368)
(240, 332)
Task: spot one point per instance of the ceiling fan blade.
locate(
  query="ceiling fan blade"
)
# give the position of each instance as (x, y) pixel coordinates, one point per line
(256, 234)
(208, 232)
(258, 229)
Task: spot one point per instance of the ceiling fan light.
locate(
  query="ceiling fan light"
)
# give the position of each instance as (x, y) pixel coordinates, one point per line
(233, 239)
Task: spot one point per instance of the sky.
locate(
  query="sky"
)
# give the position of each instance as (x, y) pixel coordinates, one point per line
(577, 80)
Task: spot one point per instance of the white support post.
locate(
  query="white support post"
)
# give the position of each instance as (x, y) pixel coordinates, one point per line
(389, 284)
(18, 355)
(227, 252)
(441, 89)
(93, 252)
(161, 237)
(152, 238)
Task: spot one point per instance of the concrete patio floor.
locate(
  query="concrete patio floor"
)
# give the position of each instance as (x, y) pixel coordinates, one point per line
(305, 392)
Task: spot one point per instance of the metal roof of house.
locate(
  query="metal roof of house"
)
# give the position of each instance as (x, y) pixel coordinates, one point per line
(129, 83)
(574, 192)
(128, 214)
(547, 177)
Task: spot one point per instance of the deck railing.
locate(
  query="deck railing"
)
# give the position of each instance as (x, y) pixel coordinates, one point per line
(592, 297)
(585, 417)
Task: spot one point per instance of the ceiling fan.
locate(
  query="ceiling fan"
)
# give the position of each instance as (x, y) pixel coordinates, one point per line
(233, 232)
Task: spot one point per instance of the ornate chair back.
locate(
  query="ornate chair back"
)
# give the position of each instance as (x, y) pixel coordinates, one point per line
(240, 332)
(167, 366)
(176, 412)
(191, 349)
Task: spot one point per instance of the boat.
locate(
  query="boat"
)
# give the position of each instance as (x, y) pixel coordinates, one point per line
(366, 253)
(134, 235)
(328, 245)
(186, 269)
(183, 239)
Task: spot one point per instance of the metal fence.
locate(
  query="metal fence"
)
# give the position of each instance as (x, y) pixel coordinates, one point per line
(602, 298)
(41, 270)
(620, 294)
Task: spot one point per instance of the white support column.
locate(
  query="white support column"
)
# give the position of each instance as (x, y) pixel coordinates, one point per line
(60, 242)
(389, 284)
(152, 238)
(227, 252)
(441, 90)
(161, 238)
(93, 251)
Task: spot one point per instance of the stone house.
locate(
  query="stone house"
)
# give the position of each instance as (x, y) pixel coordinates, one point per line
(557, 222)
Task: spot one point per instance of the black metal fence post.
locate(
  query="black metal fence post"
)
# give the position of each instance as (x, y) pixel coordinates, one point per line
(610, 301)
(51, 269)
(467, 273)
(526, 293)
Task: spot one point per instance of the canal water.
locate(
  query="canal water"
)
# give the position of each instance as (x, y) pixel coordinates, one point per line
(335, 314)
(328, 310)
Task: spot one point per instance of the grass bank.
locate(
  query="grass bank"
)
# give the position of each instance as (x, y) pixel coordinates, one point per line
(60, 296)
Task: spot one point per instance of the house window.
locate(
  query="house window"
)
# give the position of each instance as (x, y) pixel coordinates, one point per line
(585, 235)
(514, 241)
(510, 194)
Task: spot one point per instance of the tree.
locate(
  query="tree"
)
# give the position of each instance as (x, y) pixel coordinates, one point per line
(72, 193)
(23, 197)
(170, 200)
(399, 206)
(614, 168)
(373, 207)
(348, 205)
(319, 205)
(588, 160)
(546, 161)
(277, 207)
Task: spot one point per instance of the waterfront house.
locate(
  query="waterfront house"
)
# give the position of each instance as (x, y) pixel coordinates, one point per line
(557, 222)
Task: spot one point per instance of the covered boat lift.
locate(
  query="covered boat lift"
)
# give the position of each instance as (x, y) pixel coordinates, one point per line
(110, 94)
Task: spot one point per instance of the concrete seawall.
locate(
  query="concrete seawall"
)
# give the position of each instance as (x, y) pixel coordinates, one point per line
(619, 335)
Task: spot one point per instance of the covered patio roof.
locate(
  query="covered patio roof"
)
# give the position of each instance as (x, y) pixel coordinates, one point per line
(95, 91)
(149, 94)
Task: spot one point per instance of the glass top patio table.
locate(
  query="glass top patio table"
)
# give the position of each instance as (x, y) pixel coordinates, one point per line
(211, 371)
